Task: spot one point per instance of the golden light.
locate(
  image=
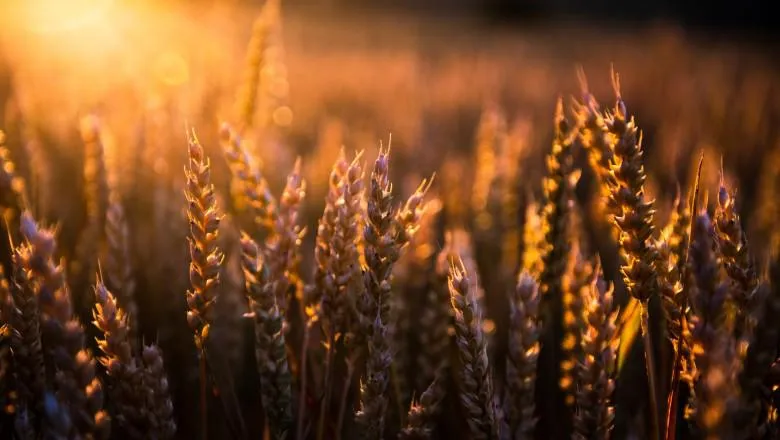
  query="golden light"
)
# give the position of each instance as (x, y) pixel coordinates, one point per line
(171, 68)
(55, 16)
(283, 116)
(488, 326)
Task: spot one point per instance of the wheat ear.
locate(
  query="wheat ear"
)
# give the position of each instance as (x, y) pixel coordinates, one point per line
(476, 393)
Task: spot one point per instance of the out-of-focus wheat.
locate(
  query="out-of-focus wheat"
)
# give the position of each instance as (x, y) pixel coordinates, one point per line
(558, 188)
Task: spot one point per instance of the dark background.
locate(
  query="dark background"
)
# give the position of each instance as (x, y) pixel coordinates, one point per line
(748, 17)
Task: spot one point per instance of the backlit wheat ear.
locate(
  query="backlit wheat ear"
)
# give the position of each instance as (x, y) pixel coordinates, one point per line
(476, 393)
(381, 251)
(524, 333)
(595, 412)
(738, 263)
(386, 233)
(249, 182)
(257, 86)
(634, 221)
(558, 186)
(338, 273)
(713, 348)
(117, 266)
(322, 292)
(283, 247)
(77, 387)
(158, 396)
(206, 257)
(270, 350)
(334, 297)
(593, 135)
(533, 240)
(125, 371)
(635, 213)
(578, 277)
(26, 339)
(422, 413)
(671, 252)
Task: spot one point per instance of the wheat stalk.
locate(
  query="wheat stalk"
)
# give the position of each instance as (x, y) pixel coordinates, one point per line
(270, 351)
(158, 399)
(596, 374)
(206, 257)
(250, 182)
(117, 265)
(322, 293)
(265, 31)
(558, 187)
(524, 332)
(710, 343)
(476, 394)
(634, 220)
(283, 248)
(26, 340)
(738, 264)
(380, 251)
(422, 413)
(124, 371)
(78, 390)
(579, 275)
(388, 230)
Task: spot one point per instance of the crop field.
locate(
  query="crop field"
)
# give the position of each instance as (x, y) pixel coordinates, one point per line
(225, 220)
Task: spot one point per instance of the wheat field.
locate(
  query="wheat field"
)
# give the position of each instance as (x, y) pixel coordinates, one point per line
(227, 221)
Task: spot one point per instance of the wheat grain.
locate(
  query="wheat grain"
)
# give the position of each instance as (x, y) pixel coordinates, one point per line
(421, 417)
(558, 187)
(78, 390)
(738, 264)
(596, 374)
(524, 332)
(476, 394)
(206, 257)
(710, 348)
(270, 351)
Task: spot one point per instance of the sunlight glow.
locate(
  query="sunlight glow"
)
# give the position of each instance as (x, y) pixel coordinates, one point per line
(56, 16)
(171, 68)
